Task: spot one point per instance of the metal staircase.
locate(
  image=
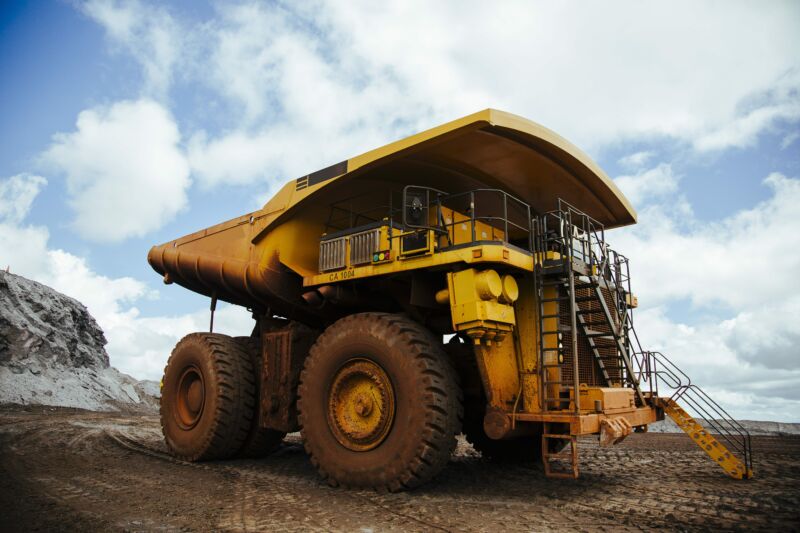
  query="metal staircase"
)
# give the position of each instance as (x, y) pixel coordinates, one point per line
(724, 439)
(583, 290)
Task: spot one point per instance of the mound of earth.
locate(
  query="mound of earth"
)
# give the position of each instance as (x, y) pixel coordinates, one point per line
(52, 352)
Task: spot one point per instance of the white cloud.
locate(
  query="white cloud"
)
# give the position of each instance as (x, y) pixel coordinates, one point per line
(305, 90)
(743, 261)
(149, 34)
(140, 346)
(17, 194)
(768, 335)
(649, 184)
(636, 160)
(125, 170)
(739, 276)
(137, 346)
(743, 131)
(623, 70)
(789, 139)
(310, 91)
(745, 386)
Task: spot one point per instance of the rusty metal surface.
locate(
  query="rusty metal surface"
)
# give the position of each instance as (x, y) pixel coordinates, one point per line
(361, 405)
(614, 430)
(283, 353)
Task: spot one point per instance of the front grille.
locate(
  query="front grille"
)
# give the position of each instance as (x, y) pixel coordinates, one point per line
(363, 245)
(332, 254)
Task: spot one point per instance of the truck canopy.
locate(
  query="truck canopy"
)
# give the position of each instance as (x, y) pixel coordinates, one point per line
(489, 148)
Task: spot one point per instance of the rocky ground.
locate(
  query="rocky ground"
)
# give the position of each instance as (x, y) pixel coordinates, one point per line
(77, 470)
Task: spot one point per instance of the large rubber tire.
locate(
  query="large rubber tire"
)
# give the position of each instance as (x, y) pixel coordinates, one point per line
(427, 403)
(211, 421)
(260, 441)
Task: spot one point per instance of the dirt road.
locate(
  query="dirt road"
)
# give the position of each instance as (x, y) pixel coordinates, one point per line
(64, 469)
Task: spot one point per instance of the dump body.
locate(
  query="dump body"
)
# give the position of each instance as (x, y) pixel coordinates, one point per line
(258, 260)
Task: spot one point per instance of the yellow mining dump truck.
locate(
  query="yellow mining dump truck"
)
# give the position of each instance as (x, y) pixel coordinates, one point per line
(455, 281)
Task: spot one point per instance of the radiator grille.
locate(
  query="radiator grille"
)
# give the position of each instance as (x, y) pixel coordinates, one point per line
(363, 245)
(332, 254)
(588, 371)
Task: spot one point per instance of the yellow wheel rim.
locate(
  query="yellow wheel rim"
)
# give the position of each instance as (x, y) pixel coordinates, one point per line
(360, 405)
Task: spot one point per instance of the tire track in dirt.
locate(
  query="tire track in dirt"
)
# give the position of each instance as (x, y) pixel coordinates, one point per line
(93, 471)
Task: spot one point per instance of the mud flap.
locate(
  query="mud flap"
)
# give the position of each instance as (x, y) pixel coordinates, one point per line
(614, 430)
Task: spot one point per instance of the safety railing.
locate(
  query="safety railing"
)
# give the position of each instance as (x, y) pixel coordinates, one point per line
(481, 209)
(656, 370)
(576, 236)
(572, 233)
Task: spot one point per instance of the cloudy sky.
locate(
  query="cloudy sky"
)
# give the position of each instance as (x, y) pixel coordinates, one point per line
(126, 124)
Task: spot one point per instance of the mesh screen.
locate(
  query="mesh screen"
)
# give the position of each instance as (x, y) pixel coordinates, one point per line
(588, 370)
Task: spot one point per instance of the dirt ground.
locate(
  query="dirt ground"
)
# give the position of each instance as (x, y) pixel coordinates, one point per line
(65, 469)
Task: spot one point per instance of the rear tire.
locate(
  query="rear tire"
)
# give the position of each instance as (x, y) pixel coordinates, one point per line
(208, 398)
(379, 403)
(260, 441)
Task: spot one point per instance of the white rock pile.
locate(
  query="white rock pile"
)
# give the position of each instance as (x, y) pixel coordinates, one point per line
(52, 352)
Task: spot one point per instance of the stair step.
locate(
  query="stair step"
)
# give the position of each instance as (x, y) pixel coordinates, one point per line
(715, 449)
(599, 335)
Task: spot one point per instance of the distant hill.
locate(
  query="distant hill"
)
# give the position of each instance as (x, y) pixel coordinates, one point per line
(754, 427)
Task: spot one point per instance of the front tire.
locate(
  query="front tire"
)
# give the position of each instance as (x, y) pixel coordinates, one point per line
(379, 403)
(208, 398)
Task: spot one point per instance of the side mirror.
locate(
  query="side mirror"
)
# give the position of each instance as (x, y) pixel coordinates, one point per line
(417, 204)
(416, 210)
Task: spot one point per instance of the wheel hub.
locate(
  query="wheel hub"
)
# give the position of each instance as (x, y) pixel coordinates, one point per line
(190, 398)
(360, 405)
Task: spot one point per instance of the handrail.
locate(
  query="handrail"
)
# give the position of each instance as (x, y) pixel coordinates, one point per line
(439, 198)
(655, 365)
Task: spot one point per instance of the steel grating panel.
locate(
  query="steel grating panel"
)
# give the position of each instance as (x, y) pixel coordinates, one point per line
(588, 371)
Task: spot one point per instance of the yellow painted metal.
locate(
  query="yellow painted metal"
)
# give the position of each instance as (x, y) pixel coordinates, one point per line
(497, 364)
(719, 453)
(577, 173)
(474, 307)
(251, 260)
(510, 292)
(486, 253)
(525, 336)
(487, 284)
(611, 399)
(361, 405)
(459, 229)
(617, 209)
(550, 351)
(589, 423)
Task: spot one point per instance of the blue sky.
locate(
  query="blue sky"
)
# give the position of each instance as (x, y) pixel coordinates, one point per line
(129, 123)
